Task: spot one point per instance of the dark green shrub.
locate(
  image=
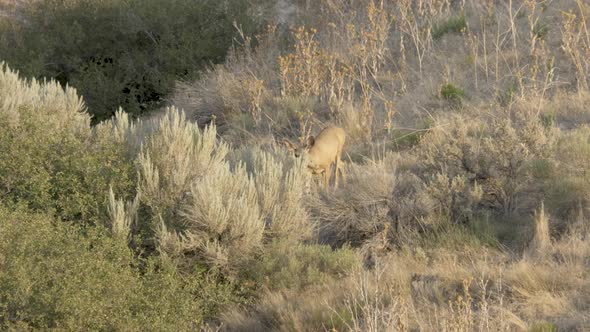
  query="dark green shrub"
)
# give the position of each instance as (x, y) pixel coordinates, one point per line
(452, 93)
(407, 138)
(548, 119)
(122, 53)
(540, 29)
(455, 24)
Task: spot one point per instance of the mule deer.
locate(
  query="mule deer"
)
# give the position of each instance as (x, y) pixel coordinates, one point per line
(322, 151)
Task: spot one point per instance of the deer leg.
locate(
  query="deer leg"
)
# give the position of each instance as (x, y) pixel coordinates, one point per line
(338, 167)
(327, 179)
(341, 169)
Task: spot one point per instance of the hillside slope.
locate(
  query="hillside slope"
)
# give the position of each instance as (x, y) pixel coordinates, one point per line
(464, 205)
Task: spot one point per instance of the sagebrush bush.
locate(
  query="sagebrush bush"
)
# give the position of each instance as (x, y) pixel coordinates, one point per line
(193, 200)
(496, 155)
(174, 154)
(280, 180)
(362, 208)
(223, 218)
(188, 198)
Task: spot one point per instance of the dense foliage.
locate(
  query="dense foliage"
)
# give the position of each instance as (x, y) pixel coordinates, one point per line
(54, 275)
(122, 53)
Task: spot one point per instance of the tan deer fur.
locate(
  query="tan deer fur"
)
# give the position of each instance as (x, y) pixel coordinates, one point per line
(321, 152)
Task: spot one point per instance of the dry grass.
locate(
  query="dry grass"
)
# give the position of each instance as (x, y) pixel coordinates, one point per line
(480, 102)
(484, 104)
(541, 240)
(362, 65)
(437, 290)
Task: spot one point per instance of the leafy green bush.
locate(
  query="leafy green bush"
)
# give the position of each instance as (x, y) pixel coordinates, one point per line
(51, 158)
(53, 275)
(122, 53)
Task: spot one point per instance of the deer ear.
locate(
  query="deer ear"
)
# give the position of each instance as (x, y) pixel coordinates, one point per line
(288, 144)
(310, 141)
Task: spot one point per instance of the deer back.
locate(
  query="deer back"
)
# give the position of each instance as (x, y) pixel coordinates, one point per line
(326, 146)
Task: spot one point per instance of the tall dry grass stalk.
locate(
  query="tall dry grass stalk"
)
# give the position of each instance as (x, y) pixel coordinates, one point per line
(576, 42)
(416, 27)
(314, 71)
(374, 305)
(541, 239)
(303, 73)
